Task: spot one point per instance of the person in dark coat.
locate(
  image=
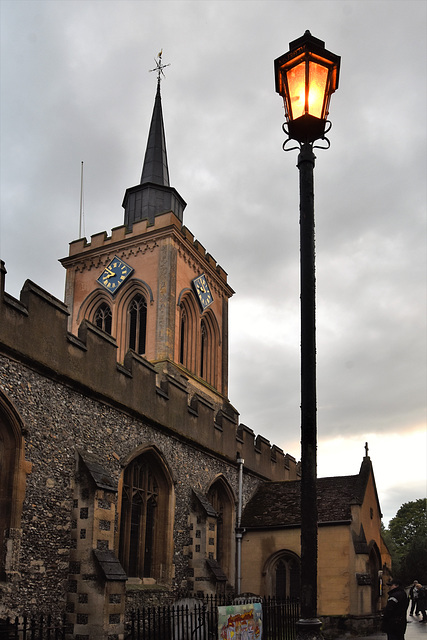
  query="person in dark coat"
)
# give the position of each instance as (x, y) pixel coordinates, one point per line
(394, 618)
(422, 602)
(413, 595)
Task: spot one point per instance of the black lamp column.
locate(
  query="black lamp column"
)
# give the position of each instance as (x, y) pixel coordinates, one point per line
(306, 76)
(308, 624)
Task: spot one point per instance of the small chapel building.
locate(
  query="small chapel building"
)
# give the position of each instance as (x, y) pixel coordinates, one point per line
(353, 560)
(122, 459)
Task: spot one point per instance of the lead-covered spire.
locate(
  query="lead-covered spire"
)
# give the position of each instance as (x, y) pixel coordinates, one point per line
(155, 168)
(154, 195)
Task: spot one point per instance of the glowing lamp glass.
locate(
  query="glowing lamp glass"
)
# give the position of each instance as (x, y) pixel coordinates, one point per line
(296, 84)
(307, 91)
(317, 81)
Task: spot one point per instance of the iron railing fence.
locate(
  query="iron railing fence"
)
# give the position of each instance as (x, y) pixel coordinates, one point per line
(195, 621)
(199, 621)
(35, 627)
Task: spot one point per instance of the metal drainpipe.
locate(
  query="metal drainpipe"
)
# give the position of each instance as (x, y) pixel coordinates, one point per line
(239, 531)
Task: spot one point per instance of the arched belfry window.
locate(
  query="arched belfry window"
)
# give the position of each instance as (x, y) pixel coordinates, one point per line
(199, 340)
(103, 317)
(183, 336)
(188, 332)
(209, 343)
(145, 519)
(137, 323)
(203, 349)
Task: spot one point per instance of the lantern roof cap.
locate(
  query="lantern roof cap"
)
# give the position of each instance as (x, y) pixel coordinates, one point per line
(307, 38)
(306, 44)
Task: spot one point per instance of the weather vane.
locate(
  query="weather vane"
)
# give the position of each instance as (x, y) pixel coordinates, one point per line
(159, 66)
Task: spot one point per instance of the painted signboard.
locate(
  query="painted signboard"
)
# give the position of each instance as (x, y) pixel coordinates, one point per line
(240, 622)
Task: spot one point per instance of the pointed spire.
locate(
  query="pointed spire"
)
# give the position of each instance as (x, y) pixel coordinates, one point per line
(155, 168)
(154, 195)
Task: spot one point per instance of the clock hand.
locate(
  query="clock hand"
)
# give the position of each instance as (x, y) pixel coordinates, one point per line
(110, 273)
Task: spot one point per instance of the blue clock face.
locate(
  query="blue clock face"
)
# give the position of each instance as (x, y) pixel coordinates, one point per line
(115, 275)
(202, 290)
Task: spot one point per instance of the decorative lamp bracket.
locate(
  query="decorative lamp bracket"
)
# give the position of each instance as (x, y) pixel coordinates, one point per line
(285, 128)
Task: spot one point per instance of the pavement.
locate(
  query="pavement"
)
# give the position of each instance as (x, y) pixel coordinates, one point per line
(415, 630)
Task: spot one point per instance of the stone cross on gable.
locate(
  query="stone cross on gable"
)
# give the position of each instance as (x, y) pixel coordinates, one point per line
(366, 449)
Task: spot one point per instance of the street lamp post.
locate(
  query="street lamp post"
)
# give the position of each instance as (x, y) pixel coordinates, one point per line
(306, 77)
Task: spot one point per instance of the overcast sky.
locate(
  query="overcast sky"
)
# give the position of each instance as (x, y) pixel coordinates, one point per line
(75, 86)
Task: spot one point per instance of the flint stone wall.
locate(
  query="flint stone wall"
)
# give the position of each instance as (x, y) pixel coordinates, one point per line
(58, 421)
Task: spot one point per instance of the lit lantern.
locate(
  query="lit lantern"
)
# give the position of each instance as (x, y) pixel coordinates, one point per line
(306, 77)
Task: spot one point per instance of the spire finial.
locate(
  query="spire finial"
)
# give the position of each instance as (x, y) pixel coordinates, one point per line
(366, 449)
(159, 66)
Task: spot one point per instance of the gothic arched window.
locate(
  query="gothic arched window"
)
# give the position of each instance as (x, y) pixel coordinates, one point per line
(145, 521)
(12, 485)
(283, 575)
(220, 497)
(7, 468)
(137, 316)
(103, 317)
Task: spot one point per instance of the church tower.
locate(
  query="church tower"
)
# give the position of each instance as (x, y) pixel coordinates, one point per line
(151, 285)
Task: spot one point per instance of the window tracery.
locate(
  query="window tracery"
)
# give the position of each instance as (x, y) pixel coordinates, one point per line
(103, 317)
(137, 323)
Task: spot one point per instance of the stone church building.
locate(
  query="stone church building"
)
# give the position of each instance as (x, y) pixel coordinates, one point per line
(122, 460)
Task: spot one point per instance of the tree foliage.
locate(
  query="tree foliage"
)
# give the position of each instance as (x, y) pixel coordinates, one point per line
(407, 533)
(409, 522)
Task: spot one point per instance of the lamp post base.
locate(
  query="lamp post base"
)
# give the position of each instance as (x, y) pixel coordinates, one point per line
(309, 629)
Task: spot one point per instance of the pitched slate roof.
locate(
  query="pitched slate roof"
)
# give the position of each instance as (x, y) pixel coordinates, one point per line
(278, 504)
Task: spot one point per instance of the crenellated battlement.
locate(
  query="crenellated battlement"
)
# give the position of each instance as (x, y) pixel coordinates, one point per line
(33, 330)
(143, 228)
